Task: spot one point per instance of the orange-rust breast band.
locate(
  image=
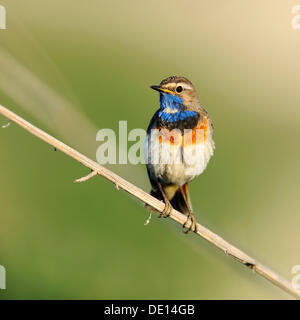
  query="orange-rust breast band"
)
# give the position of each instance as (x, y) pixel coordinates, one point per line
(195, 136)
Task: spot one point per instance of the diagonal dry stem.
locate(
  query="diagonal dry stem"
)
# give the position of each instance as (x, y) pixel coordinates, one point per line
(121, 183)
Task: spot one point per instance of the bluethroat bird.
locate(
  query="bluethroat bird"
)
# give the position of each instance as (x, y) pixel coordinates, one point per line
(178, 146)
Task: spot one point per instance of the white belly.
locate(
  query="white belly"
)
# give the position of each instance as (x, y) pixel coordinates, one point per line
(173, 164)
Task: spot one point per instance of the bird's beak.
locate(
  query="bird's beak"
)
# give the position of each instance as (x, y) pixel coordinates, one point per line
(157, 88)
(160, 89)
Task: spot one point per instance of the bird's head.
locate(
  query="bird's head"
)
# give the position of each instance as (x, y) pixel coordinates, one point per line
(177, 93)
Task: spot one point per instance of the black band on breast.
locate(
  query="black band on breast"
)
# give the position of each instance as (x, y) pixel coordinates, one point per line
(187, 123)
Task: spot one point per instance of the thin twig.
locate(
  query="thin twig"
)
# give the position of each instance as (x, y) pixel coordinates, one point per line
(155, 203)
(89, 176)
(148, 220)
(6, 125)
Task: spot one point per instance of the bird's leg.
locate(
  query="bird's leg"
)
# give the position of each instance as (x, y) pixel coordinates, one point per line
(193, 227)
(168, 207)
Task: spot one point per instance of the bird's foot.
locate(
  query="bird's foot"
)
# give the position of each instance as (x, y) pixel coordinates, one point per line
(193, 224)
(167, 210)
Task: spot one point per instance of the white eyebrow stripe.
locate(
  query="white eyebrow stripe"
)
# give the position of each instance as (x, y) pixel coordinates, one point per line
(173, 85)
(184, 85)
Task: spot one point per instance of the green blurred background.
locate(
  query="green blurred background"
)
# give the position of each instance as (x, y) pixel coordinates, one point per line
(74, 67)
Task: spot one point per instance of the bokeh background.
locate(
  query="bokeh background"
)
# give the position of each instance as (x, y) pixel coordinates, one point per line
(74, 67)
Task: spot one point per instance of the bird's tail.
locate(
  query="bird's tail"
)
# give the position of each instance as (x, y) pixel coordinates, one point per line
(179, 202)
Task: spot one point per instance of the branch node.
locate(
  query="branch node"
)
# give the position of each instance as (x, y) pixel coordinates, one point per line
(89, 176)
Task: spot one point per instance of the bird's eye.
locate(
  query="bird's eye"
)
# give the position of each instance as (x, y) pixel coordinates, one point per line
(179, 89)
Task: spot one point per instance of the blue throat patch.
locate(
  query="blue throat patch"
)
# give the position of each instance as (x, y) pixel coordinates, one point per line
(173, 103)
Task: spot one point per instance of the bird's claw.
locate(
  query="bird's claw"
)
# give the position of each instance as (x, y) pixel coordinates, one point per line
(167, 210)
(193, 224)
